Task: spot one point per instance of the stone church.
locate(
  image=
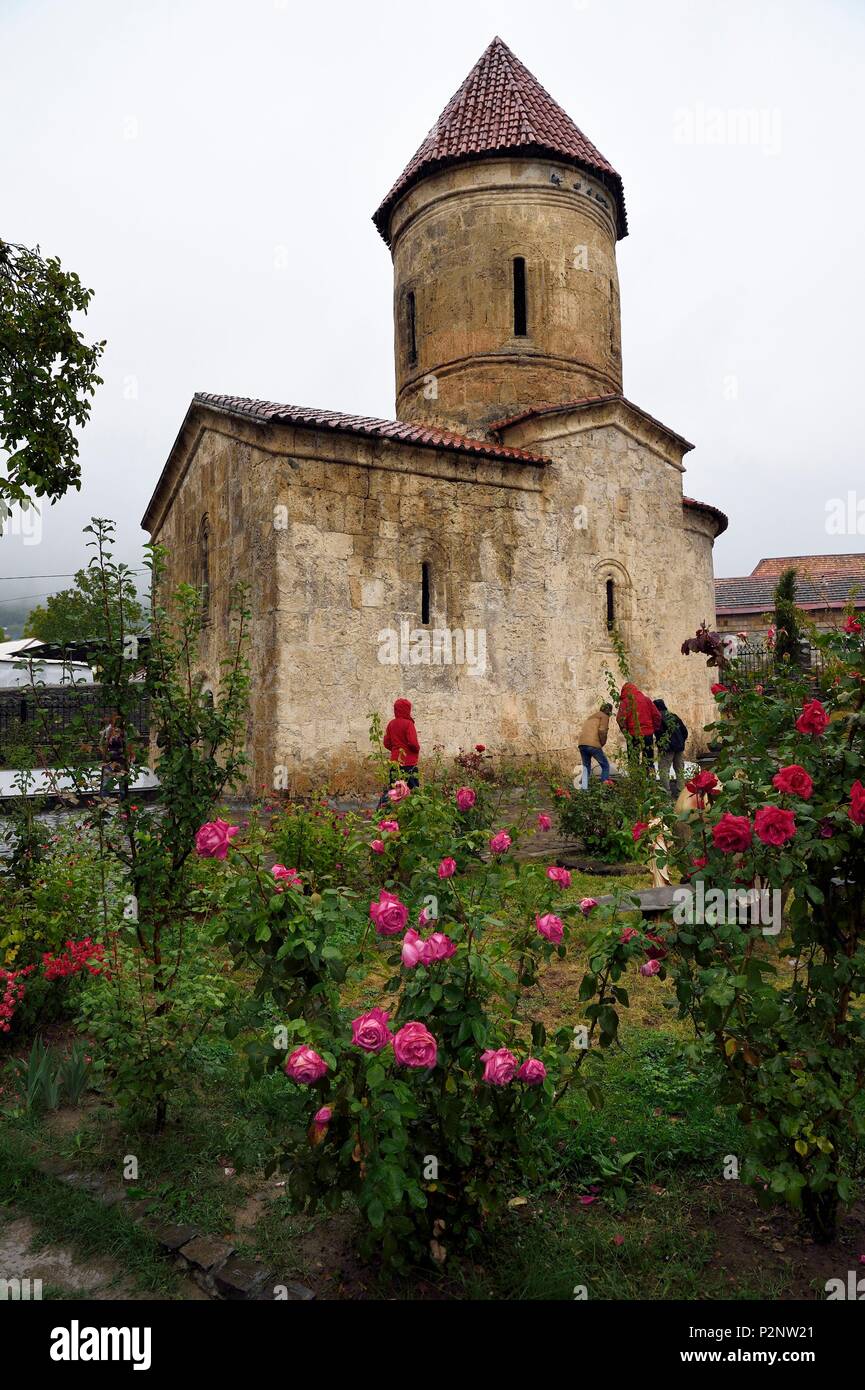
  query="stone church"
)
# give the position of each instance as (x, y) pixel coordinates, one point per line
(476, 553)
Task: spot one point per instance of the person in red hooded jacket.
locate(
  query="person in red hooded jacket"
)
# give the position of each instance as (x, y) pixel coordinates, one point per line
(401, 741)
(639, 720)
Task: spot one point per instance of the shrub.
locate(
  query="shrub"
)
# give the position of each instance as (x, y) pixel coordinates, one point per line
(781, 1012)
(600, 817)
(430, 1106)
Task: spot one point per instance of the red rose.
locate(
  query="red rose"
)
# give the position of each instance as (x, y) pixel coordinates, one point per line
(852, 626)
(856, 809)
(480, 748)
(794, 780)
(719, 689)
(704, 782)
(774, 826)
(813, 719)
(638, 828)
(732, 834)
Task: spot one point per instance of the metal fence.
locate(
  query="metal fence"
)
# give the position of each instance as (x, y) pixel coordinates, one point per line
(59, 719)
(757, 662)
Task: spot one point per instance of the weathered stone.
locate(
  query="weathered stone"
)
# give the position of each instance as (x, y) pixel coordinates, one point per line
(238, 1279)
(206, 1252)
(172, 1238)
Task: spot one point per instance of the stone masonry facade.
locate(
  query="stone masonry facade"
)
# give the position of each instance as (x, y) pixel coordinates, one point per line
(472, 554)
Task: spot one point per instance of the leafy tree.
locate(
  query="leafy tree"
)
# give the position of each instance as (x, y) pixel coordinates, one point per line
(788, 632)
(94, 609)
(3, 637)
(47, 374)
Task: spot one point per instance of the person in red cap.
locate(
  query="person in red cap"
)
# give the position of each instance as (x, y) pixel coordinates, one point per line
(401, 741)
(639, 720)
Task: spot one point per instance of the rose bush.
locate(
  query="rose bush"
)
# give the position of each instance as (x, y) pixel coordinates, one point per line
(779, 1004)
(438, 1091)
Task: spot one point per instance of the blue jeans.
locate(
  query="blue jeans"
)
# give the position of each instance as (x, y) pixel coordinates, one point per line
(587, 753)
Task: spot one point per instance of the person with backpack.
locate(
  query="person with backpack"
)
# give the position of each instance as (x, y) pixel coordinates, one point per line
(591, 740)
(639, 721)
(671, 739)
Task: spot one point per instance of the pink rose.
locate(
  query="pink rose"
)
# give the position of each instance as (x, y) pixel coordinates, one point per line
(391, 825)
(813, 720)
(551, 927)
(399, 791)
(794, 780)
(213, 839)
(500, 843)
(447, 868)
(732, 834)
(370, 1031)
(415, 1046)
(466, 798)
(413, 949)
(322, 1118)
(628, 934)
(532, 1072)
(588, 905)
(438, 947)
(499, 1066)
(388, 914)
(289, 876)
(559, 876)
(377, 846)
(651, 967)
(544, 821)
(774, 826)
(425, 916)
(856, 809)
(305, 1066)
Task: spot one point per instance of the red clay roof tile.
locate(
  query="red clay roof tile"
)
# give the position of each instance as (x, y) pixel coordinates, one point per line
(400, 430)
(501, 106)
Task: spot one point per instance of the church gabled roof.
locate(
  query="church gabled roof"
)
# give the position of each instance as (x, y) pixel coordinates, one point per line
(502, 107)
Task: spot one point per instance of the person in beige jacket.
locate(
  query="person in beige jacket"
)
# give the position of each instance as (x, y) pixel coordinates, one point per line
(592, 737)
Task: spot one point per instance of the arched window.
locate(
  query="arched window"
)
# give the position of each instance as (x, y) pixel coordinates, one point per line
(203, 576)
(611, 604)
(520, 309)
(425, 592)
(411, 327)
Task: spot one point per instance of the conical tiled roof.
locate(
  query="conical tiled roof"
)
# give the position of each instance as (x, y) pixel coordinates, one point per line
(502, 107)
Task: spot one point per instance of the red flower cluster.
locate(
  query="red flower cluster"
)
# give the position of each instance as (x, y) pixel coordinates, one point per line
(74, 959)
(12, 983)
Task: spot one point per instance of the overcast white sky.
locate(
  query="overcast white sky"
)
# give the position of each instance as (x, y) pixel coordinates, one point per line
(209, 168)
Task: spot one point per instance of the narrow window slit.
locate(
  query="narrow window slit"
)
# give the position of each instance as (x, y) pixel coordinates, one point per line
(412, 328)
(520, 314)
(424, 592)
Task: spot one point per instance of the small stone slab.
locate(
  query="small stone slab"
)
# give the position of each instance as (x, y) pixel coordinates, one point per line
(173, 1237)
(238, 1279)
(650, 901)
(206, 1252)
